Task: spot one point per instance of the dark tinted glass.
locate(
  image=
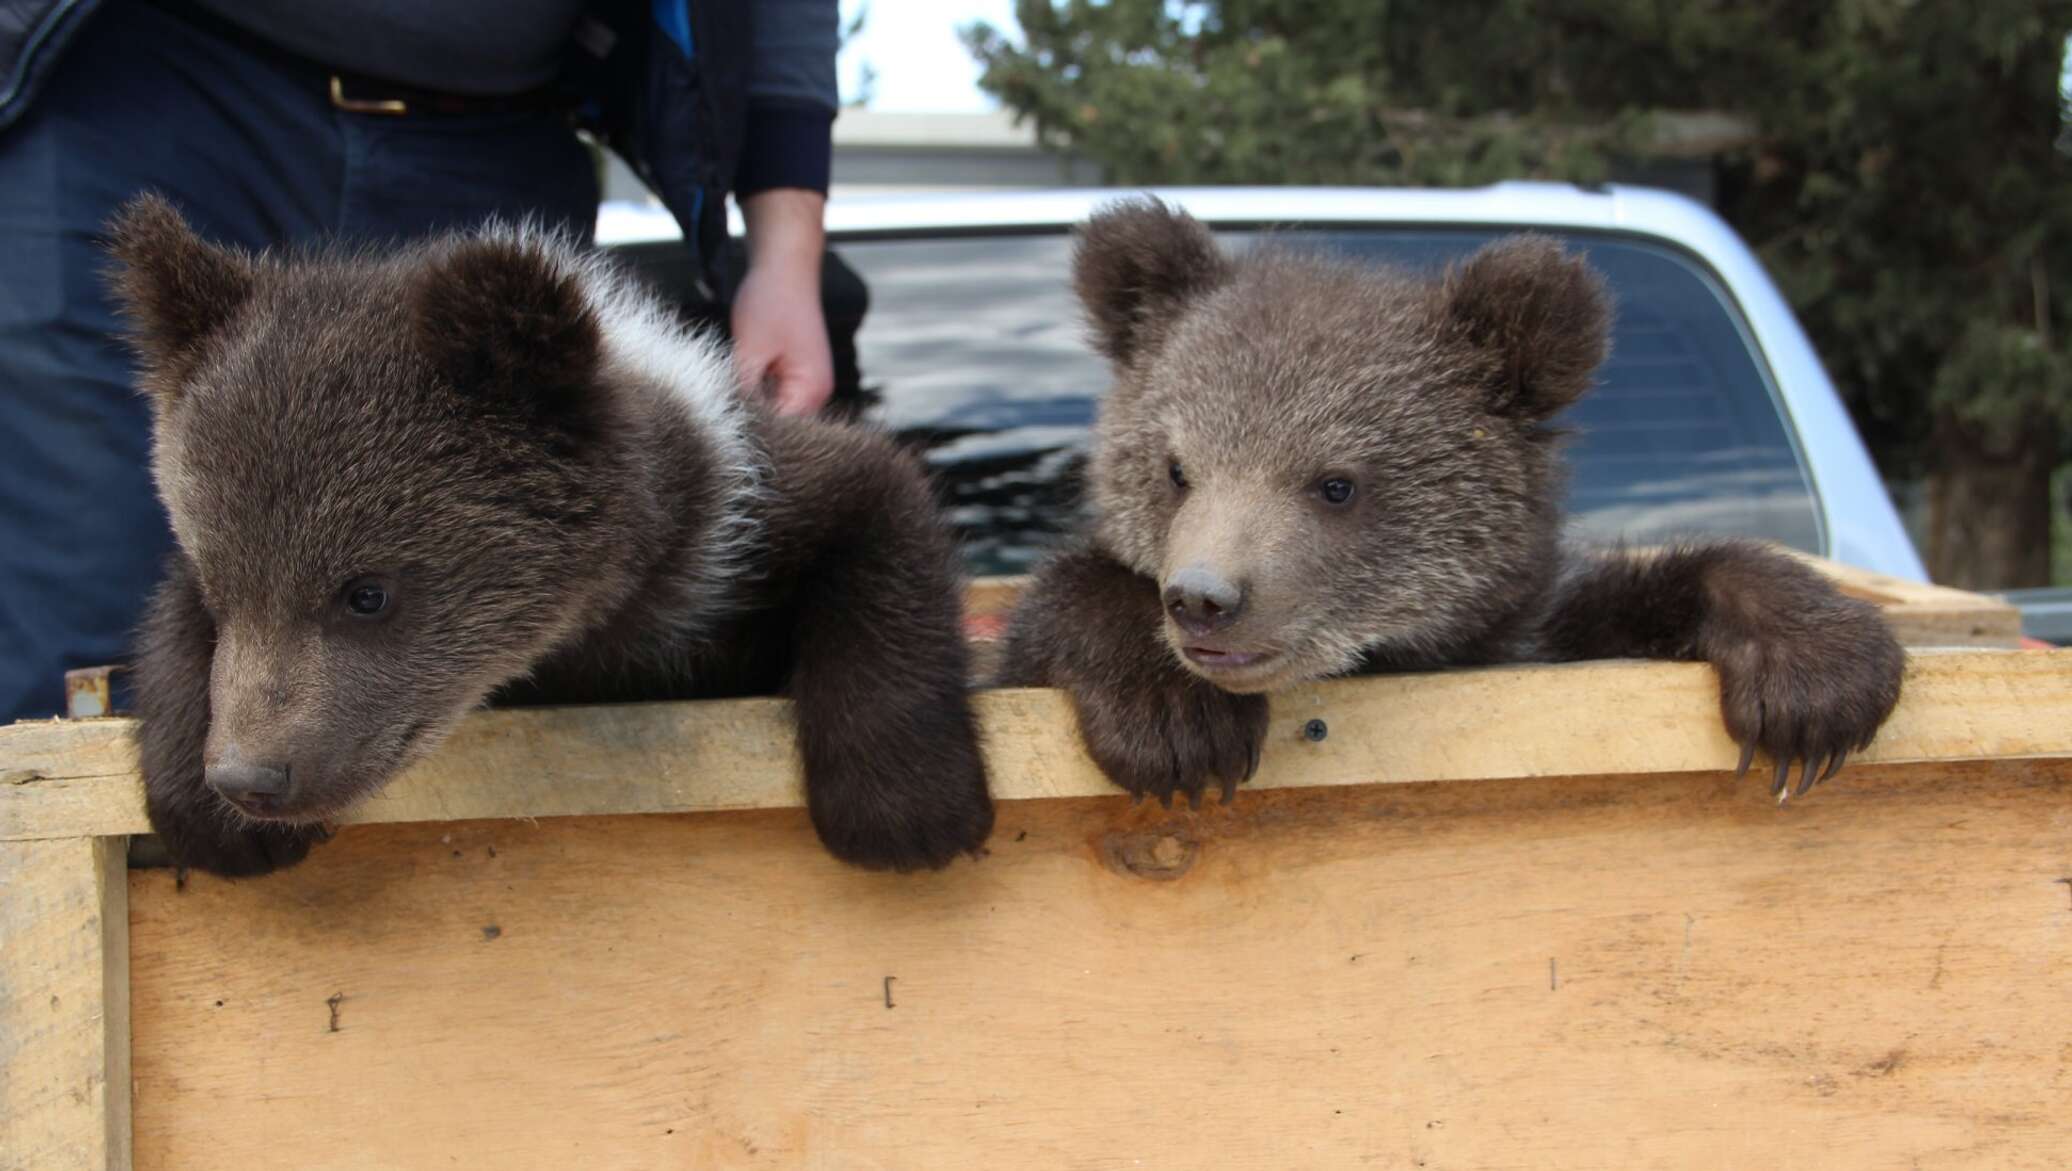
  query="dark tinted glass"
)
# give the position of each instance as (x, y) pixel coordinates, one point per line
(971, 350)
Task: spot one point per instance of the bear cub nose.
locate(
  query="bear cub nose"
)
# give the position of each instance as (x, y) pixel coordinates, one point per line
(255, 788)
(1203, 601)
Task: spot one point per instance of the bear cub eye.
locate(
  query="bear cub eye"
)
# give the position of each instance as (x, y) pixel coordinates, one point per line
(1179, 478)
(1336, 490)
(366, 598)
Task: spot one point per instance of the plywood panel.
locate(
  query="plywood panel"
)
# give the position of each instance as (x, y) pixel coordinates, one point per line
(64, 1006)
(1661, 973)
(1923, 614)
(1581, 719)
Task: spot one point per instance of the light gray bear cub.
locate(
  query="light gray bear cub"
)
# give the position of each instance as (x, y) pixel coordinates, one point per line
(1309, 468)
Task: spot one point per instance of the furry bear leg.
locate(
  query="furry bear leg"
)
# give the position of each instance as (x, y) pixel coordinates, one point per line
(1807, 675)
(894, 776)
(1092, 626)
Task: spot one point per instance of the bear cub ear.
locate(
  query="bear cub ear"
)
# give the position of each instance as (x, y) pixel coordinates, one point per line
(175, 288)
(1543, 313)
(502, 318)
(1137, 264)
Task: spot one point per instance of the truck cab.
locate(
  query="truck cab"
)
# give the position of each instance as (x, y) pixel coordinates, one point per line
(955, 329)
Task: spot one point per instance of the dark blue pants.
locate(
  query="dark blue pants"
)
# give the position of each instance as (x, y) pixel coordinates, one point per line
(254, 153)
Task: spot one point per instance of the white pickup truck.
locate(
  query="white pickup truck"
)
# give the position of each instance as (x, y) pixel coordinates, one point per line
(955, 328)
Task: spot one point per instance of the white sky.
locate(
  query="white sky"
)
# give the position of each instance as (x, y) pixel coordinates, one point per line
(913, 46)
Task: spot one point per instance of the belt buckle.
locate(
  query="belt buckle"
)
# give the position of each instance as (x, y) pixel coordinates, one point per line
(390, 106)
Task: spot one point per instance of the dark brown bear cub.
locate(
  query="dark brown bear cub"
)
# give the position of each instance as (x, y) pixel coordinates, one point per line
(1309, 468)
(488, 466)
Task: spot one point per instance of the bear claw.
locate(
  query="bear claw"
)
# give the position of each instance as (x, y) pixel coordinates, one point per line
(1809, 706)
(1816, 769)
(1180, 737)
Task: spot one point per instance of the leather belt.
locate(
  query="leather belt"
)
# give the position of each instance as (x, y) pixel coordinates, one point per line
(357, 93)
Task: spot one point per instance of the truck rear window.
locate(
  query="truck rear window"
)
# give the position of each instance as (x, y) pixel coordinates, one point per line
(970, 349)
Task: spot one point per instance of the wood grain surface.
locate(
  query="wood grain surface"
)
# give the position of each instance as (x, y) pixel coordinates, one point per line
(1588, 973)
(64, 1006)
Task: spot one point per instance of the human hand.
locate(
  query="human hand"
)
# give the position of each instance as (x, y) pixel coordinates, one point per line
(780, 331)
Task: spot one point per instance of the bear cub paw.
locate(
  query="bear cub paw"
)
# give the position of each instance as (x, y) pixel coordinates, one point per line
(883, 822)
(1813, 696)
(1176, 738)
(218, 841)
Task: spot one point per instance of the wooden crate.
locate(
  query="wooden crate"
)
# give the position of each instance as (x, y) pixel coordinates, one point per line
(1610, 955)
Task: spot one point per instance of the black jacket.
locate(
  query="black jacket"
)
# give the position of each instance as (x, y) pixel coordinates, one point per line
(665, 82)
